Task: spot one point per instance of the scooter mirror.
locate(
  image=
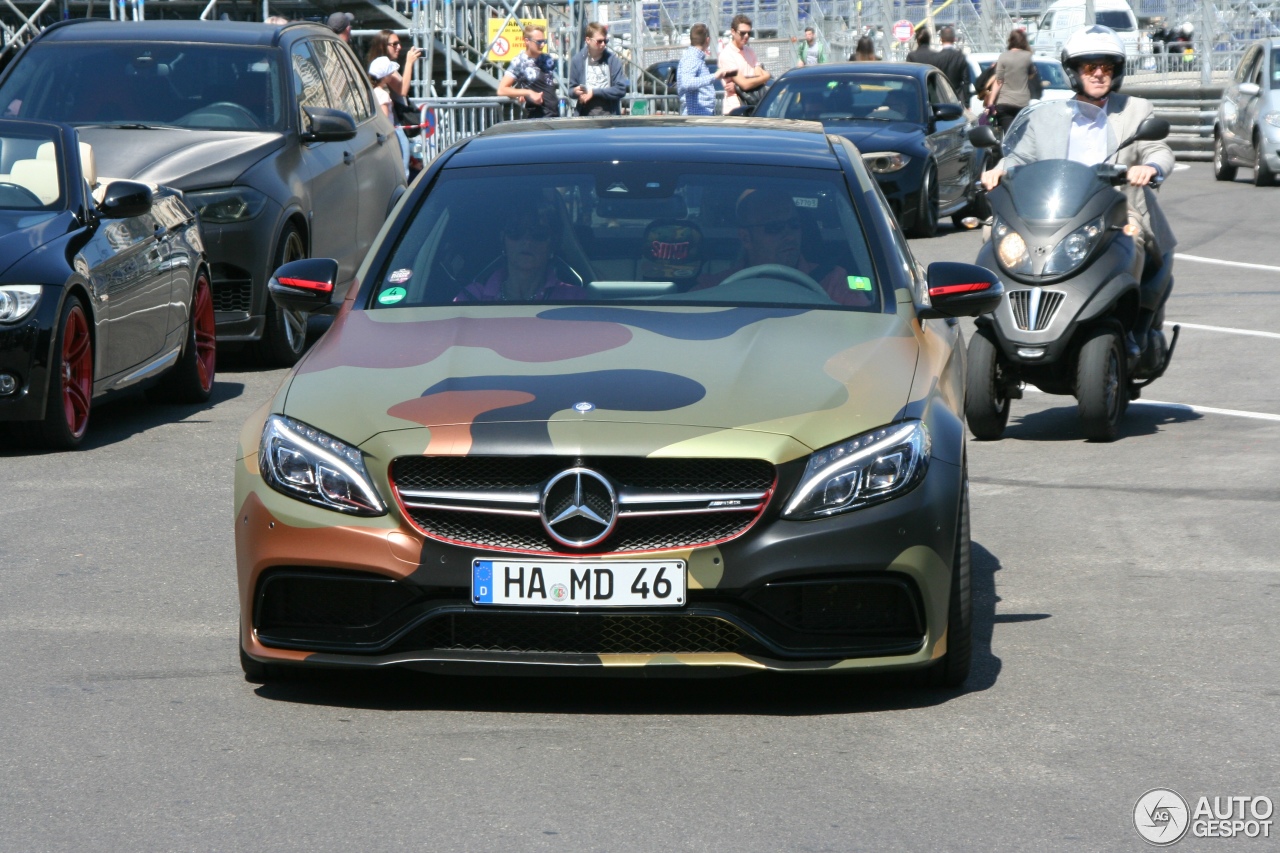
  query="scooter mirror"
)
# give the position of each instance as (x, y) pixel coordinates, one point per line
(983, 136)
(1152, 129)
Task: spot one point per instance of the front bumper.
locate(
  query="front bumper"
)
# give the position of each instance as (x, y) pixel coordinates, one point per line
(24, 355)
(882, 573)
(241, 256)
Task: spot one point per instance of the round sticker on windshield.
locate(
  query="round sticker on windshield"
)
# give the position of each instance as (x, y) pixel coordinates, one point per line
(400, 276)
(392, 295)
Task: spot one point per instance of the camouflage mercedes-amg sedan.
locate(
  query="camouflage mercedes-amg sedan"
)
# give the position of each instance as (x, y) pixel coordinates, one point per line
(620, 395)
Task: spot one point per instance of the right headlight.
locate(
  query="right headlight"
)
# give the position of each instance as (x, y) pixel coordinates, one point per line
(305, 463)
(222, 207)
(884, 162)
(870, 468)
(17, 301)
(1011, 249)
(1075, 247)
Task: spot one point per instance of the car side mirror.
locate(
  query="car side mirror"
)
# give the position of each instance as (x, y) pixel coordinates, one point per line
(983, 136)
(947, 112)
(327, 125)
(1249, 89)
(305, 285)
(960, 290)
(123, 199)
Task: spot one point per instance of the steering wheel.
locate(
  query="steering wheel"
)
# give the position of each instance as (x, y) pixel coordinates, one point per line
(780, 271)
(224, 109)
(22, 192)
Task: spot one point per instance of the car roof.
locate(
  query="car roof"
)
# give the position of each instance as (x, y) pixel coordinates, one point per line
(212, 32)
(680, 139)
(901, 69)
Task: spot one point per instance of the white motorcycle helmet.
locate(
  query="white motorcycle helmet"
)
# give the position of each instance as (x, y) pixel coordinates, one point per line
(1093, 44)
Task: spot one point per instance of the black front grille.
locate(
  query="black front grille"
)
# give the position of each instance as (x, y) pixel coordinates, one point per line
(632, 533)
(576, 633)
(510, 472)
(232, 289)
(884, 607)
(319, 599)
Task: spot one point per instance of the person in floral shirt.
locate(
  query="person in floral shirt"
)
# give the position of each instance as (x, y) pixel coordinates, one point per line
(531, 78)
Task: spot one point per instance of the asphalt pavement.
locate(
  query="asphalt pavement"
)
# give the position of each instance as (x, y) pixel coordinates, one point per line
(1126, 610)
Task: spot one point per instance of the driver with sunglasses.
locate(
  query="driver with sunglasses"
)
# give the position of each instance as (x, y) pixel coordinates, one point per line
(527, 270)
(770, 230)
(531, 77)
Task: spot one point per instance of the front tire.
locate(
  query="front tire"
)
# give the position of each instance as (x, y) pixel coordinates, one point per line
(70, 384)
(191, 379)
(952, 669)
(1101, 387)
(926, 224)
(1222, 168)
(986, 407)
(1262, 174)
(285, 335)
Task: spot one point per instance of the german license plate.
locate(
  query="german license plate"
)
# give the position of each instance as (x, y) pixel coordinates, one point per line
(553, 583)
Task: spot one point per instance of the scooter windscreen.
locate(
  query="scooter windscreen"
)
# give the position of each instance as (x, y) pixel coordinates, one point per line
(1036, 147)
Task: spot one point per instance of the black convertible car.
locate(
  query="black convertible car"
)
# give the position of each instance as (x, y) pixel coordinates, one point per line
(910, 126)
(104, 285)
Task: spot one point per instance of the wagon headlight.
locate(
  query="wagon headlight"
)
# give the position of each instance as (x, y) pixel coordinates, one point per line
(884, 162)
(222, 207)
(305, 463)
(873, 467)
(1075, 247)
(1011, 249)
(17, 301)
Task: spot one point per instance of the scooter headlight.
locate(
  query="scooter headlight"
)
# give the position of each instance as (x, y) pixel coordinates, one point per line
(1011, 249)
(1072, 250)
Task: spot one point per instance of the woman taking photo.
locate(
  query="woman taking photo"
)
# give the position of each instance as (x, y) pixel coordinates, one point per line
(387, 45)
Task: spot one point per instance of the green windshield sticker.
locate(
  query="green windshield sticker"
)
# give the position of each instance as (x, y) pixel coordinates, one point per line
(392, 295)
(859, 282)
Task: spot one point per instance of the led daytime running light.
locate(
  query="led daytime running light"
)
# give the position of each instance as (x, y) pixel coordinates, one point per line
(305, 463)
(867, 469)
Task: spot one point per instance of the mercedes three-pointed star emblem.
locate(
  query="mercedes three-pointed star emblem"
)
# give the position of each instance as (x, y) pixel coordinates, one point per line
(579, 507)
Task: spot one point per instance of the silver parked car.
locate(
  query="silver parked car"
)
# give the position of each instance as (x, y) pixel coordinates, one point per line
(1246, 130)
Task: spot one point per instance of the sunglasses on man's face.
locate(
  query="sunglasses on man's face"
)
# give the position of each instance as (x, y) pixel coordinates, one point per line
(539, 42)
(1107, 68)
(746, 34)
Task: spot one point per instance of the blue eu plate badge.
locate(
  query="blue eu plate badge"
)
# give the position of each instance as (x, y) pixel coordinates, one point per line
(482, 581)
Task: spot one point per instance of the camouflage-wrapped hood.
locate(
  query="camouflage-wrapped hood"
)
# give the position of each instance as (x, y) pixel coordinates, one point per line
(764, 382)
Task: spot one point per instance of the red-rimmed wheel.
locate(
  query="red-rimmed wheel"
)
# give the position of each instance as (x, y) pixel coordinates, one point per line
(70, 385)
(191, 379)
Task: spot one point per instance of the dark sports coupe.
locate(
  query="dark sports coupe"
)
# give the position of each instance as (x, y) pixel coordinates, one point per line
(688, 404)
(909, 124)
(104, 285)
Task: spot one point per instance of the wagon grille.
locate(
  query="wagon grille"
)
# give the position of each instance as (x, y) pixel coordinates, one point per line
(494, 502)
(1034, 309)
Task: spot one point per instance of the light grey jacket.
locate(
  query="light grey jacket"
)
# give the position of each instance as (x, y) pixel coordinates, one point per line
(1049, 131)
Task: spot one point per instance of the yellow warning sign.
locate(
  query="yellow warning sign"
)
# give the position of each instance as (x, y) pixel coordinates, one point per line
(509, 43)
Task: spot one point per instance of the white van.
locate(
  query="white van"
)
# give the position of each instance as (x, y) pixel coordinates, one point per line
(1065, 17)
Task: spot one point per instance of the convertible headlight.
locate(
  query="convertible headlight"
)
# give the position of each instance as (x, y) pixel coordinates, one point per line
(1011, 249)
(1272, 119)
(17, 301)
(884, 162)
(873, 467)
(1075, 247)
(222, 207)
(305, 463)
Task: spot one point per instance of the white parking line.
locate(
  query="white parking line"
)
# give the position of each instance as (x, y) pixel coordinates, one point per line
(1227, 330)
(1203, 410)
(1198, 259)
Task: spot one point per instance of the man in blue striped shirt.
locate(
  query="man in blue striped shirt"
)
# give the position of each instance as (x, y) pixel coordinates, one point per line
(695, 82)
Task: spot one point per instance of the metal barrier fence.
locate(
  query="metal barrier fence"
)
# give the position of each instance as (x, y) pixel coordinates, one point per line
(458, 118)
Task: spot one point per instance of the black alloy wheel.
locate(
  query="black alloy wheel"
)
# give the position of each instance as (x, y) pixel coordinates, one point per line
(926, 223)
(285, 335)
(986, 406)
(1101, 388)
(1222, 168)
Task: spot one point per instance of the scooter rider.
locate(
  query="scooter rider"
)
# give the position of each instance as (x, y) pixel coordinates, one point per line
(1094, 62)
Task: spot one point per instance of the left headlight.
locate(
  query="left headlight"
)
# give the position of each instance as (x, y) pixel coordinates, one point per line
(305, 463)
(17, 301)
(1011, 249)
(873, 467)
(884, 162)
(222, 207)
(1075, 247)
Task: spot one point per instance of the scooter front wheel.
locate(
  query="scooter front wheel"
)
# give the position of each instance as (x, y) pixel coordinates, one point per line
(986, 404)
(1102, 392)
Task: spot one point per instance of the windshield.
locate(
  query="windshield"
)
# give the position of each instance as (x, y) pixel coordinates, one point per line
(197, 86)
(660, 233)
(1052, 189)
(865, 97)
(1043, 131)
(1117, 19)
(30, 171)
(1052, 75)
